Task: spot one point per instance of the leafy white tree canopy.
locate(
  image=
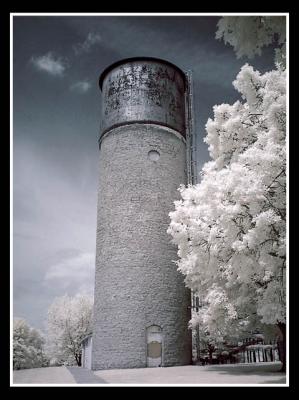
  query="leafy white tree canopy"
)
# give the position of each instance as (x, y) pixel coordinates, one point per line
(230, 228)
(249, 34)
(27, 346)
(69, 321)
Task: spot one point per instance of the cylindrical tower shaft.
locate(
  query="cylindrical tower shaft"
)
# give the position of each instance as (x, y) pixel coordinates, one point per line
(142, 306)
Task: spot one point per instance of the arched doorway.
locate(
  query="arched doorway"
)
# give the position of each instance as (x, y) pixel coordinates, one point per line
(154, 346)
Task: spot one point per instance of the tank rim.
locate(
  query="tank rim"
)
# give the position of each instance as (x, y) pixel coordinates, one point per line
(131, 59)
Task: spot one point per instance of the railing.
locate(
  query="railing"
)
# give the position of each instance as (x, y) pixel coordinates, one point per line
(247, 351)
(257, 351)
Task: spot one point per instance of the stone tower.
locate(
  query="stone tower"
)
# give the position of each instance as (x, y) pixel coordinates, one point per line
(142, 307)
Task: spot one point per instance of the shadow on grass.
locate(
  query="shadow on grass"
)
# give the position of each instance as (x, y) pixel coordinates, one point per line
(265, 370)
(83, 375)
(282, 380)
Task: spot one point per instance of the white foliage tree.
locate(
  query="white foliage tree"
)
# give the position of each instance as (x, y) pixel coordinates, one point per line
(249, 34)
(69, 321)
(230, 228)
(27, 346)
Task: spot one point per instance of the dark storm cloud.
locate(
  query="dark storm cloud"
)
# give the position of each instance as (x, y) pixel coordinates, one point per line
(57, 62)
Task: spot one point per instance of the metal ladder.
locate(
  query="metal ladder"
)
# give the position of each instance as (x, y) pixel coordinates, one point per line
(190, 134)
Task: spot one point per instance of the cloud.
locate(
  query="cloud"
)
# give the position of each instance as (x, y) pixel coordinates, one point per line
(84, 47)
(50, 63)
(81, 87)
(75, 272)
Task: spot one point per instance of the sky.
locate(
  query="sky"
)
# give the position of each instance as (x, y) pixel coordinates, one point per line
(57, 61)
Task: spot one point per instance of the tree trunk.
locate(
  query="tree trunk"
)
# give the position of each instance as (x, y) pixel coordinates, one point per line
(197, 344)
(78, 359)
(210, 356)
(210, 351)
(281, 344)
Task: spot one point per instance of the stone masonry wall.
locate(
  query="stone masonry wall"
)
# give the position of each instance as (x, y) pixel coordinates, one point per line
(137, 283)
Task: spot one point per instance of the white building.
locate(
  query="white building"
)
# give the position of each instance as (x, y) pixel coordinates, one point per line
(86, 352)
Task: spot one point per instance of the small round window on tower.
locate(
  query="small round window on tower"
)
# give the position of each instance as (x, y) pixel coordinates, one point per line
(153, 155)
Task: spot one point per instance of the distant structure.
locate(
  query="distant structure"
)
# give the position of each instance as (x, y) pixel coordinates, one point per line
(86, 345)
(142, 306)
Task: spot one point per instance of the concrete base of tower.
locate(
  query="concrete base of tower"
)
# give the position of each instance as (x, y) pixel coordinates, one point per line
(141, 358)
(105, 366)
(100, 366)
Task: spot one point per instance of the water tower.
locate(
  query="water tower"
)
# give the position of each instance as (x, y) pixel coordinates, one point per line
(142, 306)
